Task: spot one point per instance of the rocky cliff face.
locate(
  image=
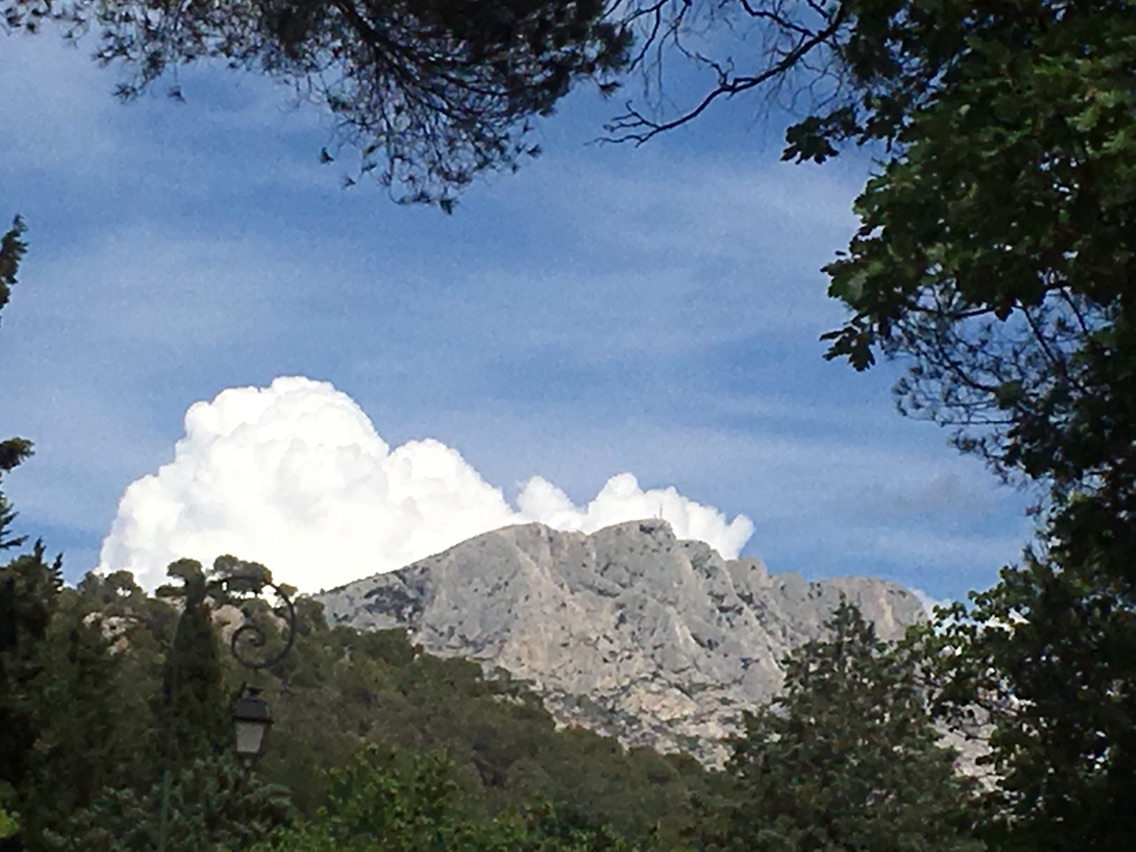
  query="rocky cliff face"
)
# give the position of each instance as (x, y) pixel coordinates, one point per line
(628, 631)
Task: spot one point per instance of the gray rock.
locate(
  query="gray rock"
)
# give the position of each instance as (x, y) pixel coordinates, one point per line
(628, 631)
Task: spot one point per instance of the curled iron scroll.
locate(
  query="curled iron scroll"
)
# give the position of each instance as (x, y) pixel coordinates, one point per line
(251, 633)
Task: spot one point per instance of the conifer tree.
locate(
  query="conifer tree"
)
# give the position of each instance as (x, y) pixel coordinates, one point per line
(194, 709)
(12, 450)
(216, 803)
(846, 758)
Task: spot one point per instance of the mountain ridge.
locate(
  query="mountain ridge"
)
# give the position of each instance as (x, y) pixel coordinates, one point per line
(628, 630)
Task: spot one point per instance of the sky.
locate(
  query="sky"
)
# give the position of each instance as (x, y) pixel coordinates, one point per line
(218, 349)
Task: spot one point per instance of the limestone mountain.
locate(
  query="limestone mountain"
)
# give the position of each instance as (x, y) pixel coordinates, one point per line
(628, 631)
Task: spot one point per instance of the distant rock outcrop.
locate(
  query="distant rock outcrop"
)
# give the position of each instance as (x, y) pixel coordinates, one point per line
(628, 631)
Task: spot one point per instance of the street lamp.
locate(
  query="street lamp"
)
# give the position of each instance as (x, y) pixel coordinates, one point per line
(251, 721)
(251, 718)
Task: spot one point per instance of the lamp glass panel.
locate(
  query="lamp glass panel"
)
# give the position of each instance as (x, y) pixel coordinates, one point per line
(250, 736)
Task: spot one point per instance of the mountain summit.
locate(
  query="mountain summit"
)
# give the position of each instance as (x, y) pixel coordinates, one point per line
(628, 631)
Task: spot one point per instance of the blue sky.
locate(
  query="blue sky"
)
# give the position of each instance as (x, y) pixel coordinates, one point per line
(608, 309)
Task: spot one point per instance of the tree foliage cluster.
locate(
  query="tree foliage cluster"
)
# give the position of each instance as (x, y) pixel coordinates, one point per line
(995, 260)
(429, 93)
(378, 745)
(846, 758)
(994, 263)
(373, 742)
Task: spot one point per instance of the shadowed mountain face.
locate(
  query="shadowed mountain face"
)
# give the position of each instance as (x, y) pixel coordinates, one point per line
(628, 631)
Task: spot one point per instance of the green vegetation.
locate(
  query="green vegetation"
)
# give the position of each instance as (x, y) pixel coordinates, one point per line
(380, 746)
(995, 258)
(373, 739)
(846, 758)
(9, 825)
(215, 803)
(414, 802)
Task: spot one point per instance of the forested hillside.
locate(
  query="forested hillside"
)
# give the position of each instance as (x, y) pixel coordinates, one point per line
(378, 745)
(95, 714)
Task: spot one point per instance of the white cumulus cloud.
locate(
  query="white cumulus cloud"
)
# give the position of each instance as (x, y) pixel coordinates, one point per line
(296, 477)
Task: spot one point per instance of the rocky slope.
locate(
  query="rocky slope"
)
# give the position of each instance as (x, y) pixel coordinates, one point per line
(629, 631)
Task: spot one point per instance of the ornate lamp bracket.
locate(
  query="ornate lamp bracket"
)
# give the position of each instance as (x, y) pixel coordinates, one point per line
(249, 638)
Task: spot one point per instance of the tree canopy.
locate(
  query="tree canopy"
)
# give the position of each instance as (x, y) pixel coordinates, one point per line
(371, 738)
(994, 263)
(846, 758)
(429, 93)
(995, 248)
(12, 450)
(996, 238)
(995, 259)
(29, 591)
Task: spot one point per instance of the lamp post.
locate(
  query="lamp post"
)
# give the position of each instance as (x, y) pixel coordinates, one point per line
(250, 714)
